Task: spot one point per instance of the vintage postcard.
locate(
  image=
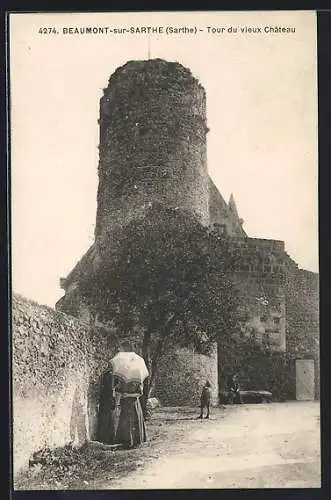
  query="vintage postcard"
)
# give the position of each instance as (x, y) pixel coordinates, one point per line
(165, 307)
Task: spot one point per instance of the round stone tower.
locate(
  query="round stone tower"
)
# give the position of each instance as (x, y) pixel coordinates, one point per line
(152, 143)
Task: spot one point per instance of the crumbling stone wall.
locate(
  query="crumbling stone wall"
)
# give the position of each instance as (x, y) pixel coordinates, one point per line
(264, 303)
(182, 375)
(57, 363)
(152, 142)
(302, 311)
(259, 277)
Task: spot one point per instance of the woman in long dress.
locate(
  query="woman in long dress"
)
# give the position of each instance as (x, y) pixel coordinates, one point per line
(108, 411)
(131, 430)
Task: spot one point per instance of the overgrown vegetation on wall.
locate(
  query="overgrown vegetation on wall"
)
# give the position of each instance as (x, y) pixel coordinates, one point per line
(56, 366)
(46, 346)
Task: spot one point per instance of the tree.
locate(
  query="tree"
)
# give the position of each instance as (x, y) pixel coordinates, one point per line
(171, 276)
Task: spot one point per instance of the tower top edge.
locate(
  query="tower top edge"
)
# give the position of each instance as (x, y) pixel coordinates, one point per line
(154, 69)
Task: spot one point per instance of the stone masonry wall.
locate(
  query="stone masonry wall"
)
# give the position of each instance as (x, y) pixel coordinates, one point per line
(57, 363)
(302, 318)
(181, 376)
(260, 280)
(152, 142)
(264, 303)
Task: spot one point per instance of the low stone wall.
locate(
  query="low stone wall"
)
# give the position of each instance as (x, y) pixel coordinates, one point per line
(57, 363)
(182, 375)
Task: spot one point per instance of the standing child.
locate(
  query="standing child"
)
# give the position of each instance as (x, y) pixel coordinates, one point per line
(205, 399)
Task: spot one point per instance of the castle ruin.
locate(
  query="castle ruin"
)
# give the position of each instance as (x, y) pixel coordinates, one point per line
(153, 150)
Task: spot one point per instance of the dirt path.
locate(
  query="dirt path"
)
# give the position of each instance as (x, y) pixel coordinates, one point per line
(248, 446)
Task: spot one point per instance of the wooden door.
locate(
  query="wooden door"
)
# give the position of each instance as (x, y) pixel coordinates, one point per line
(305, 379)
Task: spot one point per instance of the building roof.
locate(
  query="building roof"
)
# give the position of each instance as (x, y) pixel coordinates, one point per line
(223, 214)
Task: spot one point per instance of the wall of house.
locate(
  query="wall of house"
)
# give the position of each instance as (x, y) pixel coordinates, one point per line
(57, 363)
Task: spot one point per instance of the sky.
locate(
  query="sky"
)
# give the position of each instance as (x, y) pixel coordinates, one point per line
(261, 111)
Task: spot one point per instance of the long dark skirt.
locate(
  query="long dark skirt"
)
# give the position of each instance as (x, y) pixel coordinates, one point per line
(108, 415)
(131, 430)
